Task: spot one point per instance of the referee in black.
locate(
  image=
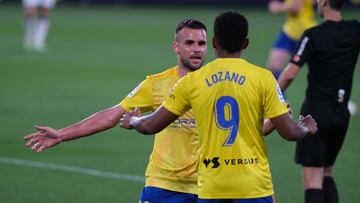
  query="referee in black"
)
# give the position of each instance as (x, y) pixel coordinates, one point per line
(331, 50)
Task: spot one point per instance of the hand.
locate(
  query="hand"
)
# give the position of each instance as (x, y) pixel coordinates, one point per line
(274, 6)
(45, 137)
(308, 122)
(125, 119)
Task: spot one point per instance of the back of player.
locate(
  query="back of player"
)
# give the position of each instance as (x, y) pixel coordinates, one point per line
(231, 138)
(331, 51)
(329, 87)
(229, 99)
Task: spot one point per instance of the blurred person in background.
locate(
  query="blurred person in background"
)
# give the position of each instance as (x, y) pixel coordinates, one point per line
(331, 50)
(299, 17)
(36, 14)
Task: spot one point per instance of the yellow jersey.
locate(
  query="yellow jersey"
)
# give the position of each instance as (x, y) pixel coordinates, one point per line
(297, 23)
(230, 99)
(174, 158)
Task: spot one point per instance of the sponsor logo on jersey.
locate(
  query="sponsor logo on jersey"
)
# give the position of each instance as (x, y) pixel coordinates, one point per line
(279, 93)
(183, 123)
(216, 162)
(132, 93)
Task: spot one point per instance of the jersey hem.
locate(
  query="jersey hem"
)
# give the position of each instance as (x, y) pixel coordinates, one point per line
(184, 188)
(234, 195)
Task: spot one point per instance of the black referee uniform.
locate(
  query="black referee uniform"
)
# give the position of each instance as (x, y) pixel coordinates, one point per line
(331, 51)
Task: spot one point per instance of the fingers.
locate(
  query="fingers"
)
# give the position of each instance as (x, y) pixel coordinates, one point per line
(42, 132)
(42, 128)
(309, 122)
(32, 141)
(137, 111)
(39, 146)
(32, 135)
(124, 121)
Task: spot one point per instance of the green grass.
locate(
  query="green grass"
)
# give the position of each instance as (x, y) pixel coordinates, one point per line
(96, 56)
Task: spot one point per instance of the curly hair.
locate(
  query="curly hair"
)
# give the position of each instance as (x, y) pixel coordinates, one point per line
(231, 31)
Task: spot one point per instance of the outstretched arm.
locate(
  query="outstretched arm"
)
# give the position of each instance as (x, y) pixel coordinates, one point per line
(291, 131)
(149, 124)
(47, 137)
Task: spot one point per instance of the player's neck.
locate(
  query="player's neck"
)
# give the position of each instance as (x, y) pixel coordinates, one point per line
(224, 54)
(332, 15)
(182, 71)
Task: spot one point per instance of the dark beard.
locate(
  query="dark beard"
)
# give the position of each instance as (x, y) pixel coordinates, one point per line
(189, 66)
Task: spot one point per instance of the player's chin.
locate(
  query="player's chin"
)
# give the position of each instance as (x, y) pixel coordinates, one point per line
(196, 63)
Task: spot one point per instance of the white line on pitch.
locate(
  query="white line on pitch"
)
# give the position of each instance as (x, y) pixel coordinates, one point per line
(71, 169)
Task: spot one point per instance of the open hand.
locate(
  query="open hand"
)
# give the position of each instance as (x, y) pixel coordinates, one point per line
(44, 138)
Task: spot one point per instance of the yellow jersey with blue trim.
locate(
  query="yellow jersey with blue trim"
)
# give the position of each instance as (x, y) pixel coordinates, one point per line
(297, 23)
(230, 99)
(174, 158)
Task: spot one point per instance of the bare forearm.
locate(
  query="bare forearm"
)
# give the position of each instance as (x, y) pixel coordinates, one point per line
(98, 122)
(142, 125)
(154, 122)
(291, 131)
(288, 75)
(298, 132)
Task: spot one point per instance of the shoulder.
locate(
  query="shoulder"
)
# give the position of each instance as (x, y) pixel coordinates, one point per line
(263, 72)
(353, 24)
(167, 74)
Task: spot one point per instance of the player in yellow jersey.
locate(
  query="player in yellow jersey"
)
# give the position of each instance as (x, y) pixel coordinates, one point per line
(171, 175)
(299, 17)
(230, 98)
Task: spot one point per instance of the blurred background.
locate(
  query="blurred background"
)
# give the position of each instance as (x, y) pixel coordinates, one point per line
(97, 52)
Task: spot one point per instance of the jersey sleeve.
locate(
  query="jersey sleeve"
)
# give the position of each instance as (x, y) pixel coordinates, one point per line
(274, 101)
(178, 99)
(140, 97)
(303, 50)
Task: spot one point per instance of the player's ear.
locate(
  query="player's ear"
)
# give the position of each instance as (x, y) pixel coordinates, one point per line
(215, 44)
(175, 47)
(246, 43)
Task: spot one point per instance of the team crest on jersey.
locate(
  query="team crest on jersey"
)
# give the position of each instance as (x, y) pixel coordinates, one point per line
(279, 93)
(132, 93)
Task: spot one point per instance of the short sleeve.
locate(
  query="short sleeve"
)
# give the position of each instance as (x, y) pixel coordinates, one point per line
(303, 50)
(139, 97)
(274, 101)
(178, 99)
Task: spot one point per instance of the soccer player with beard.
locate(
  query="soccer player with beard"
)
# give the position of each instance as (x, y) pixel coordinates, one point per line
(171, 174)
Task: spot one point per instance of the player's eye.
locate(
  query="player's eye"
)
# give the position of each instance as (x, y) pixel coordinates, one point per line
(189, 42)
(202, 43)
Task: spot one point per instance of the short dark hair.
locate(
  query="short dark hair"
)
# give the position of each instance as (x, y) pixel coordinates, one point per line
(231, 30)
(190, 23)
(337, 4)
